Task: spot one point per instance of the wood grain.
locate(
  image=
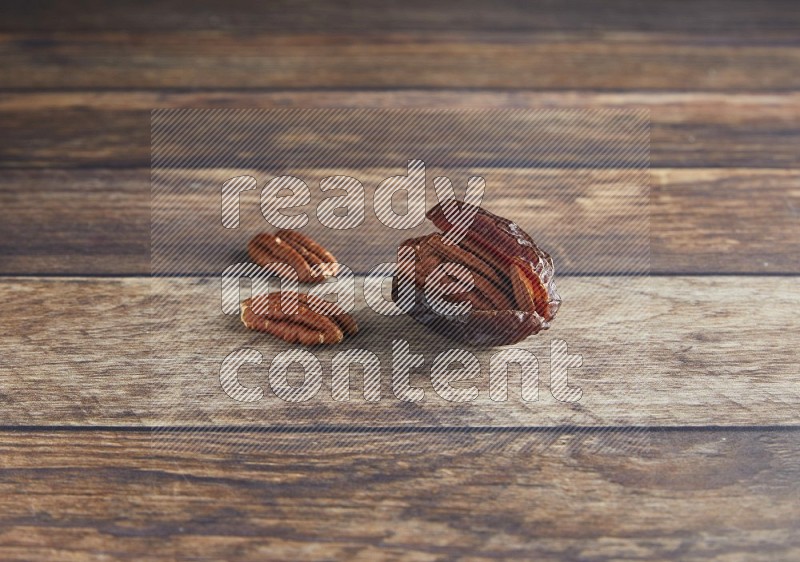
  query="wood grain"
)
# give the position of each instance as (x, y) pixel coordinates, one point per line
(686, 495)
(701, 220)
(592, 221)
(342, 481)
(401, 59)
(94, 221)
(670, 351)
(360, 138)
(411, 15)
(105, 129)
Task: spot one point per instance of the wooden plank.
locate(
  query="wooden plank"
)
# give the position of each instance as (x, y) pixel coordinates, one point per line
(580, 60)
(688, 495)
(670, 351)
(73, 129)
(418, 15)
(93, 221)
(359, 138)
(701, 221)
(708, 216)
(593, 221)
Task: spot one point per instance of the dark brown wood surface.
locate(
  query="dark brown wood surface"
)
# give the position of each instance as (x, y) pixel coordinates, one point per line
(660, 495)
(664, 495)
(697, 362)
(691, 455)
(309, 16)
(510, 60)
(112, 129)
(97, 221)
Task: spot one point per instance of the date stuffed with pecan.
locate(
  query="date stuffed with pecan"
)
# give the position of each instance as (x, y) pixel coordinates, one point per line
(296, 250)
(311, 321)
(514, 294)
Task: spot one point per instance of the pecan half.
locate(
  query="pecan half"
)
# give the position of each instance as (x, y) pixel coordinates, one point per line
(514, 294)
(296, 250)
(315, 321)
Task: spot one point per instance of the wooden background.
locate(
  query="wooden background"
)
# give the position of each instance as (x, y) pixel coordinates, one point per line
(717, 477)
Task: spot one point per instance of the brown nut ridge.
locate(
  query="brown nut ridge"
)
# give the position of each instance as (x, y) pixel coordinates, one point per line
(315, 321)
(514, 294)
(296, 250)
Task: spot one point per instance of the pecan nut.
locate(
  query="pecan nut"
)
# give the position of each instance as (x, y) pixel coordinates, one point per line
(315, 321)
(296, 250)
(514, 294)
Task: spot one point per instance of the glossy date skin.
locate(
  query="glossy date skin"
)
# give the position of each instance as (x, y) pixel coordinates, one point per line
(514, 295)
